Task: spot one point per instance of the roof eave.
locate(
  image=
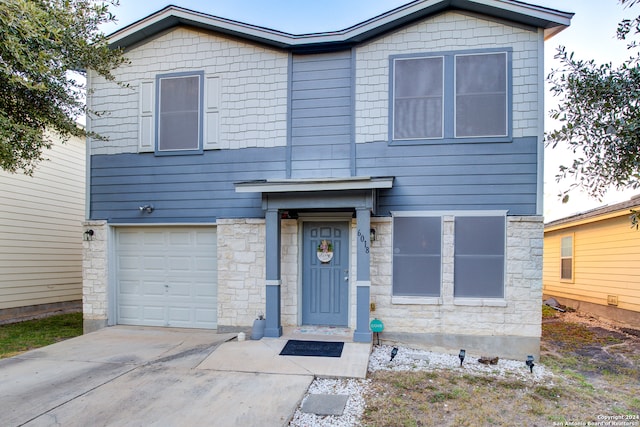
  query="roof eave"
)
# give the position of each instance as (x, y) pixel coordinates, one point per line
(550, 20)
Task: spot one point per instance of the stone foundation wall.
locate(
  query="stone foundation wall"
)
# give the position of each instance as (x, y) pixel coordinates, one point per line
(458, 323)
(241, 272)
(95, 276)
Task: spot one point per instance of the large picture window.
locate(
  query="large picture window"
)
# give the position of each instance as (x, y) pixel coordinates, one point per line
(179, 126)
(417, 253)
(479, 256)
(456, 96)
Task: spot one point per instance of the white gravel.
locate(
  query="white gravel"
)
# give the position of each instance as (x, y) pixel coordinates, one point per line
(352, 412)
(407, 359)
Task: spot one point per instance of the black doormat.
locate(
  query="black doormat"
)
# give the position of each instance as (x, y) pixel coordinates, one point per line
(312, 348)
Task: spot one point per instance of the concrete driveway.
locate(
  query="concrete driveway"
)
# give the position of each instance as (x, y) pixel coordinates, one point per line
(134, 376)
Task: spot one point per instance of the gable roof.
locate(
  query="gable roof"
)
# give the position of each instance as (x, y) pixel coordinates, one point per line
(552, 21)
(597, 214)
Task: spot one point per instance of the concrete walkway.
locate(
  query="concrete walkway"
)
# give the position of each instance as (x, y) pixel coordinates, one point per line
(134, 376)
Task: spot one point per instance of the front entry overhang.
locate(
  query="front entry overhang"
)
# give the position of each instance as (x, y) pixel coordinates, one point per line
(355, 193)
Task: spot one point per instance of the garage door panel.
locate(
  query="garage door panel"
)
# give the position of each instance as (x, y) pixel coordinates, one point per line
(152, 238)
(204, 290)
(180, 264)
(153, 312)
(154, 263)
(129, 287)
(204, 264)
(167, 276)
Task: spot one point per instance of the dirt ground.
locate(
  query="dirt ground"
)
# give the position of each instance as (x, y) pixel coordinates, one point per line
(595, 380)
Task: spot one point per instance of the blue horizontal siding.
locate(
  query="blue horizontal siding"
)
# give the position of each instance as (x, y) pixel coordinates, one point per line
(198, 188)
(321, 104)
(500, 176)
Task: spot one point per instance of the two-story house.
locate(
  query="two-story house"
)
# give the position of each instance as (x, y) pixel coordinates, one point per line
(391, 170)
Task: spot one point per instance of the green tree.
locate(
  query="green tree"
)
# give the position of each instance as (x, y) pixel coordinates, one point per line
(41, 43)
(599, 116)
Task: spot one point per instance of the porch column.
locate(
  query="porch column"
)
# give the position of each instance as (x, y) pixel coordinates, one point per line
(363, 278)
(273, 327)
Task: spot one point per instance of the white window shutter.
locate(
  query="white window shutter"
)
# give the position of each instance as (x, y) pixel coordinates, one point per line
(147, 123)
(211, 111)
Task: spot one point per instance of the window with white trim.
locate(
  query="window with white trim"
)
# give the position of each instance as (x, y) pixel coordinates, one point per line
(479, 259)
(418, 98)
(417, 256)
(566, 258)
(459, 96)
(179, 113)
(481, 95)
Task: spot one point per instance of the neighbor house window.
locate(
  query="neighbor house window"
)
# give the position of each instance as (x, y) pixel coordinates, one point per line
(479, 258)
(450, 96)
(566, 258)
(417, 254)
(179, 119)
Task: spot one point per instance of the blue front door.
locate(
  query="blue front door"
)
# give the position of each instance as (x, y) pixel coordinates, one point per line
(325, 273)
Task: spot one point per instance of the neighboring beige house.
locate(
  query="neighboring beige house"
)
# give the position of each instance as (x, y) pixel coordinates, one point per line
(592, 262)
(41, 235)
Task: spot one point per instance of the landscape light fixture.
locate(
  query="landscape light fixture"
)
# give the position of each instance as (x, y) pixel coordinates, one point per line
(394, 351)
(461, 356)
(372, 235)
(530, 363)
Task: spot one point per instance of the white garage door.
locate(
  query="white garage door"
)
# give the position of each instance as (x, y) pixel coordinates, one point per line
(166, 276)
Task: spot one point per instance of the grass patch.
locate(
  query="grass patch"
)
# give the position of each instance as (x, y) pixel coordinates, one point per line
(596, 372)
(17, 338)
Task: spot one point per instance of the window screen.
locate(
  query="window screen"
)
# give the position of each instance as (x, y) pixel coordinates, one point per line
(416, 256)
(566, 258)
(179, 113)
(481, 95)
(479, 257)
(418, 98)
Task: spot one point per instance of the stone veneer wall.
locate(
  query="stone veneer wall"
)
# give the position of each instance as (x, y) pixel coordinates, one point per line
(507, 328)
(95, 276)
(241, 272)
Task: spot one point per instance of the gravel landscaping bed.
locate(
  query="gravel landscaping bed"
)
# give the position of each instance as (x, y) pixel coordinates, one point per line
(407, 359)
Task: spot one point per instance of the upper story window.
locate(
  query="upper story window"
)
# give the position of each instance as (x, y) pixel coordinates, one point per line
(418, 98)
(179, 119)
(481, 95)
(179, 112)
(454, 96)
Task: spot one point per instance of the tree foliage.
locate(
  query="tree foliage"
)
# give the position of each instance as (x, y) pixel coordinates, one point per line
(600, 116)
(41, 42)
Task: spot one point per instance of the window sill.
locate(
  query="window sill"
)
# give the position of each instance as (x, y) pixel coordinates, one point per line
(416, 300)
(480, 302)
(478, 140)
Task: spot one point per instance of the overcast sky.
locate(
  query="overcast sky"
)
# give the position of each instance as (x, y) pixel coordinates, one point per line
(591, 36)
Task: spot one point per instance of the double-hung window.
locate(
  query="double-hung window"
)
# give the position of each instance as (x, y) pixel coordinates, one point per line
(479, 257)
(455, 96)
(418, 98)
(566, 258)
(179, 107)
(417, 256)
